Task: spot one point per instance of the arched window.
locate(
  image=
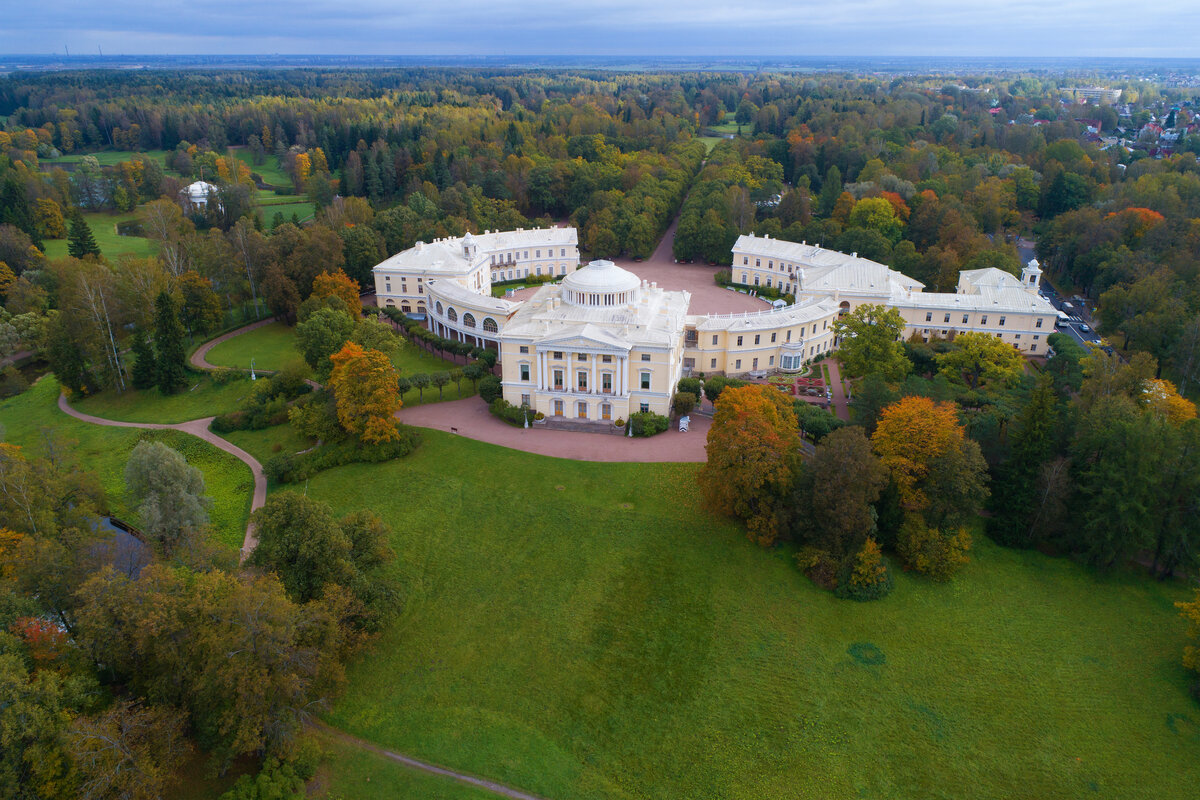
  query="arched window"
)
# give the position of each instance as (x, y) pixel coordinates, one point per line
(438, 307)
(405, 307)
(489, 325)
(421, 307)
(468, 321)
(451, 315)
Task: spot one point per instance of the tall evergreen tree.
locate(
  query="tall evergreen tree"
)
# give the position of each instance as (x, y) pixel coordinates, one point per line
(80, 241)
(15, 210)
(171, 374)
(145, 370)
(1014, 494)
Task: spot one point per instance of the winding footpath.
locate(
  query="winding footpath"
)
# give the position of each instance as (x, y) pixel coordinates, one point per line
(199, 429)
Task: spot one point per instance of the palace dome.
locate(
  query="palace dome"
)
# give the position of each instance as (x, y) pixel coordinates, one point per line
(600, 283)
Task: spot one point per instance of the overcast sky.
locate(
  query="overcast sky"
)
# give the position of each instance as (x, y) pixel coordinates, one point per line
(1165, 28)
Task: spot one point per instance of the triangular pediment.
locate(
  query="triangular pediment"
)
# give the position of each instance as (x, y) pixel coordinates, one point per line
(585, 336)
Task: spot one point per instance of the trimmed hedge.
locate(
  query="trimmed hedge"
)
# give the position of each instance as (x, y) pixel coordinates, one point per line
(647, 423)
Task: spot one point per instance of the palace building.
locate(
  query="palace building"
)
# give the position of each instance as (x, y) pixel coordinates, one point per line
(601, 343)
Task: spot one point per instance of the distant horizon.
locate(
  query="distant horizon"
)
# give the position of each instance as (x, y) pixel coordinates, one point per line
(617, 28)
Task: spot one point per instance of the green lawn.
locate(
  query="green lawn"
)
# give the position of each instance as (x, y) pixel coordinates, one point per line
(269, 169)
(104, 228)
(303, 210)
(710, 142)
(352, 772)
(585, 630)
(272, 346)
(201, 398)
(105, 451)
(268, 442)
(109, 158)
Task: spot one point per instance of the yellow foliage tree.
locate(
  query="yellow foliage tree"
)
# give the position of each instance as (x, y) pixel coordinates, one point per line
(1164, 400)
(1191, 653)
(339, 284)
(364, 384)
(930, 551)
(7, 279)
(911, 434)
(302, 168)
(9, 540)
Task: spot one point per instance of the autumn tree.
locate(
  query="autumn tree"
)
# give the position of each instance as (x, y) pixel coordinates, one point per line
(979, 357)
(129, 751)
(870, 342)
(753, 455)
(200, 309)
(339, 284)
(364, 383)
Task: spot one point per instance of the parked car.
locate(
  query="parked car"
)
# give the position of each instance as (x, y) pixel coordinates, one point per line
(1083, 326)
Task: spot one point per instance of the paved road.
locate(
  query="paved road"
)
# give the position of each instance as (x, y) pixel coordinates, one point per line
(198, 428)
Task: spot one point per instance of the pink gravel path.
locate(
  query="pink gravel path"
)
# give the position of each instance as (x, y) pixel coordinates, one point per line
(471, 418)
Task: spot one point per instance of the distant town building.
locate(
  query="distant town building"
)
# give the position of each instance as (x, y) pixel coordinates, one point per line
(1099, 94)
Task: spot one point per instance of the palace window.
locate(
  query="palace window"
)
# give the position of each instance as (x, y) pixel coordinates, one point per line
(605, 411)
(737, 364)
(983, 320)
(451, 315)
(929, 316)
(754, 364)
(645, 376)
(739, 341)
(758, 262)
(1002, 322)
(947, 319)
(525, 400)
(581, 357)
(558, 353)
(645, 356)
(558, 379)
(714, 364)
(524, 348)
(606, 382)
(965, 317)
(773, 338)
(757, 338)
(524, 372)
(606, 359)
(468, 320)
(581, 383)
(438, 306)
(1038, 324)
(489, 325)
(714, 340)
(644, 407)
(745, 261)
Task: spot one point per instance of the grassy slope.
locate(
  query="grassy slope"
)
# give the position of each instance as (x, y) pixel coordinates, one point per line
(272, 346)
(202, 398)
(104, 228)
(584, 630)
(109, 158)
(105, 451)
(269, 169)
(352, 772)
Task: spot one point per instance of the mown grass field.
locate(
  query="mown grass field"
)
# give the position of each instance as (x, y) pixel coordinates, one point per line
(201, 398)
(351, 772)
(303, 210)
(269, 169)
(111, 244)
(273, 346)
(586, 630)
(104, 451)
(108, 158)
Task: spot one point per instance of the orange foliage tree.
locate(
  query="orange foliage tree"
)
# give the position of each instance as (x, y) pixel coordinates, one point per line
(364, 384)
(911, 434)
(753, 454)
(339, 284)
(1164, 400)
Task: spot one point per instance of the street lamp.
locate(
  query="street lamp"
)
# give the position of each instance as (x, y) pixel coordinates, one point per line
(527, 417)
(253, 377)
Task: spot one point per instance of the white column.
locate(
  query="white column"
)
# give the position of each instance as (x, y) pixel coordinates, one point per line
(539, 369)
(622, 368)
(594, 386)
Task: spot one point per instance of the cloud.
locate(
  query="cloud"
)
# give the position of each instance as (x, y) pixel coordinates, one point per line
(665, 27)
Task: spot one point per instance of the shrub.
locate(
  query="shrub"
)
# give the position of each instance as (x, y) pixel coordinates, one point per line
(225, 375)
(490, 389)
(723, 277)
(292, 468)
(683, 403)
(647, 423)
(865, 576)
(820, 567)
(275, 781)
(513, 415)
(691, 385)
(930, 551)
